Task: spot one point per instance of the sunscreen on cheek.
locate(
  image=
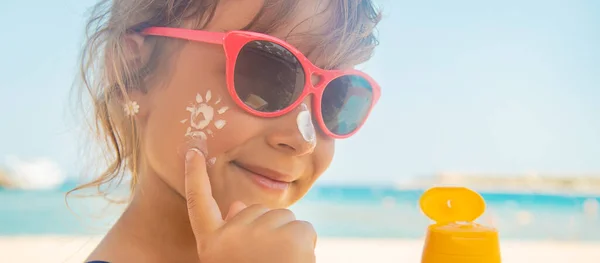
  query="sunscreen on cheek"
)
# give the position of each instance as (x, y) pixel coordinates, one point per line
(205, 119)
(203, 113)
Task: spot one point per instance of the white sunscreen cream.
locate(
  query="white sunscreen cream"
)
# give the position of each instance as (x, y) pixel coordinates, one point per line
(305, 125)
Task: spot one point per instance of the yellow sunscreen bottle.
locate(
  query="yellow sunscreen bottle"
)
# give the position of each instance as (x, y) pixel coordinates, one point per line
(454, 237)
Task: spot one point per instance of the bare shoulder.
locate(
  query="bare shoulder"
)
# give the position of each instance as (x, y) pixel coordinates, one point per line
(115, 248)
(104, 253)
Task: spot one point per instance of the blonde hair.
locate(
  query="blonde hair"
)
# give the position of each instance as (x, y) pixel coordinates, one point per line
(107, 73)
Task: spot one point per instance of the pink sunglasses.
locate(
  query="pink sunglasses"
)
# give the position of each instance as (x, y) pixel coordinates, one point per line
(268, 77)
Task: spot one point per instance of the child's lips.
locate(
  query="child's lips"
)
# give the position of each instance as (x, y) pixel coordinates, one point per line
(266, 178)
(269, 183)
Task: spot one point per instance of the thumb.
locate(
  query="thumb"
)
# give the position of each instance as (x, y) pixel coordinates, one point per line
(234, 209)
(204, 213)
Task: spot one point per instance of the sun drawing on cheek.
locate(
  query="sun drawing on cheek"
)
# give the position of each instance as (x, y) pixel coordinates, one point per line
(202, 115)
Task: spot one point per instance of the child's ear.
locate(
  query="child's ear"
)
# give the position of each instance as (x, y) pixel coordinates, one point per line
(137, 53)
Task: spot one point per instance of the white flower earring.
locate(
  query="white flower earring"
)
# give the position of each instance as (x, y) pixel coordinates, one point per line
(131, 108)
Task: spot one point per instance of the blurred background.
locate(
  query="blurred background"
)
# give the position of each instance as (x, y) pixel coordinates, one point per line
(502, 97)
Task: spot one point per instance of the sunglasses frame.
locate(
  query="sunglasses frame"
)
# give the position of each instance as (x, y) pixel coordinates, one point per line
(234, 41)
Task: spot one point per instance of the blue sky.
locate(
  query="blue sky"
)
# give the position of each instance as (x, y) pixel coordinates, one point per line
(503, 87)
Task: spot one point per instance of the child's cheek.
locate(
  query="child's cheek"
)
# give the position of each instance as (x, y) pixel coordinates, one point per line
(206, 118)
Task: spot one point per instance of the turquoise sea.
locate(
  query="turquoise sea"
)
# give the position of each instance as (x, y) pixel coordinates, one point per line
(335, 211)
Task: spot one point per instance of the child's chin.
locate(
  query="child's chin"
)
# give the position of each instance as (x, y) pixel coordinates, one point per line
(252, 198)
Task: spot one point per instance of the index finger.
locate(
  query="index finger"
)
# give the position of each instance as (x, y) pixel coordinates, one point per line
(204, 213)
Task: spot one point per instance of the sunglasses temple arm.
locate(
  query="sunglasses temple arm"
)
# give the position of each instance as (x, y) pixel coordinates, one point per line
(186, 34)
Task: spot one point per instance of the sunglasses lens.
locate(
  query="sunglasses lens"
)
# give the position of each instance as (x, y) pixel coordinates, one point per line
(267, 77)
(346, 103)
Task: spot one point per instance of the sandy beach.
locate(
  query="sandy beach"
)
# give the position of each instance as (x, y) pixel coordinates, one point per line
(67, 249)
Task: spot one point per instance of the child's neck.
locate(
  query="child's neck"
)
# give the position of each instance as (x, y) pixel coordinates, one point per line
(156, 222)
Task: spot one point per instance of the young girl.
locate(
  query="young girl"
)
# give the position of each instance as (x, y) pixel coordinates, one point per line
(223, 113)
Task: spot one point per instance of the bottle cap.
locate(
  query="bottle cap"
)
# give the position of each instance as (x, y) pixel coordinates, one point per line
(454, 237)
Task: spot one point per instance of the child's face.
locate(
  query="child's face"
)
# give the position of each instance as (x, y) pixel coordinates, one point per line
(195, 90)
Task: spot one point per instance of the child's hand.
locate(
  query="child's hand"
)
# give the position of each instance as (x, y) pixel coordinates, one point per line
(248, 234)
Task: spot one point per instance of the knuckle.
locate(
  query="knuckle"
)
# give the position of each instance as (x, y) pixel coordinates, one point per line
(255, 233)
(300, 232)
(192, 200)
(304, 226)
(285, 213)
(257, 207)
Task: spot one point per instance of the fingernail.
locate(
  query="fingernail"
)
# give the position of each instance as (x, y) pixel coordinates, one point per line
(198, 144)
(190, 154)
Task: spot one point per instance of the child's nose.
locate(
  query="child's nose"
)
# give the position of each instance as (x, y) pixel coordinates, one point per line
(297, 136)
